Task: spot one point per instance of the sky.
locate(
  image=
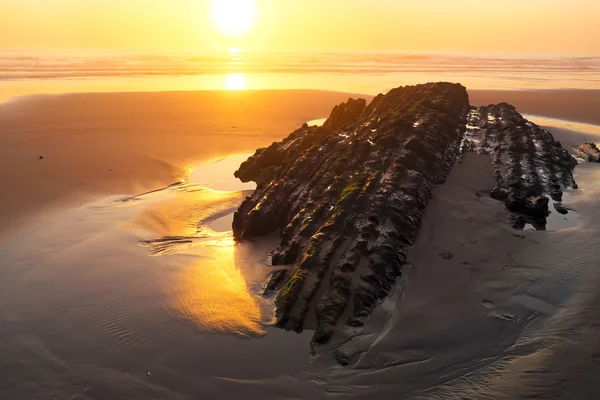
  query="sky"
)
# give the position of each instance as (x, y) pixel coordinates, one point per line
(507, 26)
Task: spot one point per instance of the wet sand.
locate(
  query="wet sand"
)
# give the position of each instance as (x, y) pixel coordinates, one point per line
(98, 295)
(100, 144)
(566, 104)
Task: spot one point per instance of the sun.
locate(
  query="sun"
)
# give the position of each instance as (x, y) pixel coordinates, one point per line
(234, 17)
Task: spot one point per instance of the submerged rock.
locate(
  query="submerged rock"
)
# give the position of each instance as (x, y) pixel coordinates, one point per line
(346, 198)
(589, 152)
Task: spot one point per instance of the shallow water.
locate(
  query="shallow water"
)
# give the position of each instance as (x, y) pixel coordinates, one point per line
(98, 296)
(317, 122)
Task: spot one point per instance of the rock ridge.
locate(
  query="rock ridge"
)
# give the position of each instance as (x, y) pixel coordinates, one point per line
(347, 198)
(588, 152)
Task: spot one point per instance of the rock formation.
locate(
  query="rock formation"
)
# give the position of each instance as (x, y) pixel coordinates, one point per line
(345, 113)
(529, 162)
(589, 152)
(346, 198)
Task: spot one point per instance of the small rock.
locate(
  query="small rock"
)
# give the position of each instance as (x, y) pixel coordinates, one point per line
(149, 374)
(341, 358)
(40, 157)
(560, 208)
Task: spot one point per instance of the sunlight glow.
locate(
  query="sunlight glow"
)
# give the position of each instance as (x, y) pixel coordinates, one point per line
(234, 17)
(236, 82)
(213, 295)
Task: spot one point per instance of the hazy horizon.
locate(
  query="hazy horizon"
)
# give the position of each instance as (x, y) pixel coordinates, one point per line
(535, 26)
(65, 46)
(50, 71)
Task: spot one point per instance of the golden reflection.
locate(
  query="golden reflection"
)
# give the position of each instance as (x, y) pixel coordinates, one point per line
(236, 57)
(234, 17)
(213, 295)
(236, 81)
(186, 213)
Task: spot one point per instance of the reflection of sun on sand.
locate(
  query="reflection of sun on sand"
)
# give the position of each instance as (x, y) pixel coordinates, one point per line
(236, 82)
(214, 296)
(185, 213)
(212, 291)
(101, 144)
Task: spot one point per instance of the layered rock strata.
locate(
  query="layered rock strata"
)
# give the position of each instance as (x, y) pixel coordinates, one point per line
(588, 152)
(348, 197)
(529, 163)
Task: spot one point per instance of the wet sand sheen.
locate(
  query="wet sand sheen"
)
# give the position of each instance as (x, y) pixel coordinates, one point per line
(99, 144)
(86, 312)
(119, 307)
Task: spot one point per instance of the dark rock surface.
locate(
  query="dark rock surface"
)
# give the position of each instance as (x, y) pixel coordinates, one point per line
(346, 198)
(589, 152)
(275, 281)
(345, 113)
(347, 201)
(561, 209)
(529, 163)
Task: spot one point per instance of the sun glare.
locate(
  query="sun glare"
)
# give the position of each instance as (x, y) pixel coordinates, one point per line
(234, 17)
(235, 82)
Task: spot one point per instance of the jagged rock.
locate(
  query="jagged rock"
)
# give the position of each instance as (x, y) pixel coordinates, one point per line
(589, 152)
(274, 281)
(341, 357)
(529, 163)
(346, 198)
(517, 221)
(345, 113)
(346, 201)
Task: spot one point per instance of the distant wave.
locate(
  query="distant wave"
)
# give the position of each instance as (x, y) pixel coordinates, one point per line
(18, 66)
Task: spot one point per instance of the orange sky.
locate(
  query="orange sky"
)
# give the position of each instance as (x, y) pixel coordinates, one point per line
(541, 26)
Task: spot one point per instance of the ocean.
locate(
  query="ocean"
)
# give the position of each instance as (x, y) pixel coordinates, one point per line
(28, 71)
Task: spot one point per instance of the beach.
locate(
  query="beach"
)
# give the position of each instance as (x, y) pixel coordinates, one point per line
(119, 277)
(570, 105)
(100, 144)
(283, 200)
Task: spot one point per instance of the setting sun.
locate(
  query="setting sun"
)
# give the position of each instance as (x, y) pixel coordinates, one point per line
(260, 199)
(234, 17)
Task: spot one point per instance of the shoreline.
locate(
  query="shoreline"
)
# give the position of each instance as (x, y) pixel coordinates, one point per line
(101, 144)
(569, 104)
(142, 283)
